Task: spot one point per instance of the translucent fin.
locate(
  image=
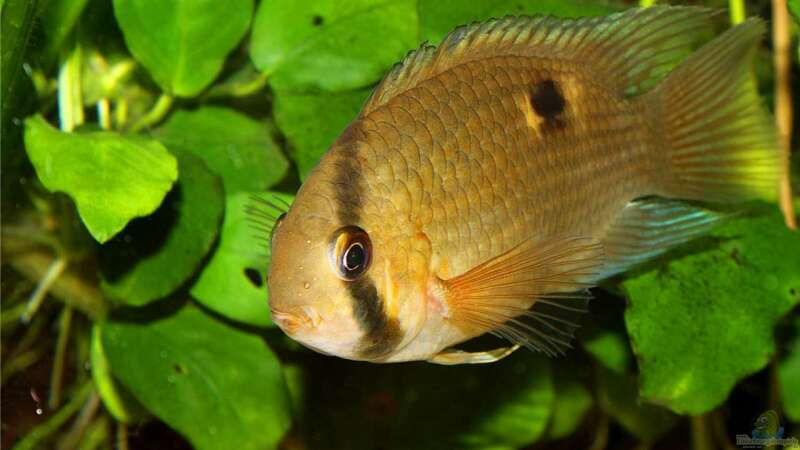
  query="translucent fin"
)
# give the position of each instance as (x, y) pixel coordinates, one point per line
(721, 142)
(529, 295)
(647, 228)
(452, 357)
(632, 49)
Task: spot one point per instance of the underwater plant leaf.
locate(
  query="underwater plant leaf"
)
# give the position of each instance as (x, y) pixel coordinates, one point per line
(618, 396)
(239, 149)
(789, 375)
(154, 256)
(426, 406)
(312, 122)
(331, 45)
(572, 400)
(439, 17)
(117, 400)
(58, 19)
(234, 282)
(112, 178)
(182, 44)
(704, 320)
(221, 388)
(609, 348)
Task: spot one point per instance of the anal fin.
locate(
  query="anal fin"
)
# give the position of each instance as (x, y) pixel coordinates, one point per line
(452, 357)
(649, 227)
(530, 295)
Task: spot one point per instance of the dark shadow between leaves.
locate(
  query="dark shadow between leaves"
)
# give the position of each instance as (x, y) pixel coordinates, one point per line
(142, 238)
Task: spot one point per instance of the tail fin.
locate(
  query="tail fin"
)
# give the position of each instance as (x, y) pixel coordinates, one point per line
(720, 142)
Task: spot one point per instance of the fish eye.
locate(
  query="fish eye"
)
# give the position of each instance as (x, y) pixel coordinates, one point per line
(351, 252)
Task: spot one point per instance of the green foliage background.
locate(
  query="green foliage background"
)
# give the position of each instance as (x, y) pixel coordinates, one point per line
(135, 133)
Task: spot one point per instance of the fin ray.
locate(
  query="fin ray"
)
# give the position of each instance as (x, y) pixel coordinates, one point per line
(633, 49)
(531, 295)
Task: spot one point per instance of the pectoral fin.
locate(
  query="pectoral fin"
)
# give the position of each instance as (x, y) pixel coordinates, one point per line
(451, 356)
(531, 295)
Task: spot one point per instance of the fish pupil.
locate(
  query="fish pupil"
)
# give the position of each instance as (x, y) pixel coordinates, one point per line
(354, 257)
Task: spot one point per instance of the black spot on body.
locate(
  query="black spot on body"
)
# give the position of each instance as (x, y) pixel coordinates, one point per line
(317, 20)
(548, 103)
(254, 276)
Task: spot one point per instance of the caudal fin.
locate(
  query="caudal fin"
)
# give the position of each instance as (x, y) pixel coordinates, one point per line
(720, 142)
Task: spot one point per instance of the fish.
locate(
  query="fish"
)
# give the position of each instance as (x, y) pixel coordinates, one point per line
(489, 182)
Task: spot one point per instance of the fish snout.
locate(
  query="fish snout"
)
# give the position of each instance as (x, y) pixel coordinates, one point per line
(297, 319)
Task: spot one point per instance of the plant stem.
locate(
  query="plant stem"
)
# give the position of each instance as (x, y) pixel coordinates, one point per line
(121, 113)
(75, 434)
(70, 102)
(96, 434)
(57, 375)
(41, 432)
(104, 114)
(600, 441)
(55, 270)
(19, 363)
(122, 436)
(71, 288)
(737, 11)
(783, 102)
(156, 114)
(701, 435)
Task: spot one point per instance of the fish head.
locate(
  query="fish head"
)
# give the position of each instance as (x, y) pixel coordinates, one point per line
(340, 284)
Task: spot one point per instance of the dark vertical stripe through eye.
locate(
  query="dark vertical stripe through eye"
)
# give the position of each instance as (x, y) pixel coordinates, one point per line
(381, 334)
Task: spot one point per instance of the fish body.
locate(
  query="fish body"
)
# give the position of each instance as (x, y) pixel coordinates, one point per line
(488, 182)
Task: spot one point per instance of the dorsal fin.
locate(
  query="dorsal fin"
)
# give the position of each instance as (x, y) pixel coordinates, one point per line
(632, 49)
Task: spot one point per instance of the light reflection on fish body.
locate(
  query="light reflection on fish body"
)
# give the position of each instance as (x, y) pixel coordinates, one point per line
(488, 183)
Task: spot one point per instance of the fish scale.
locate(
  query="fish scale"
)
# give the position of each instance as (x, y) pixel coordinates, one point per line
(466, 226)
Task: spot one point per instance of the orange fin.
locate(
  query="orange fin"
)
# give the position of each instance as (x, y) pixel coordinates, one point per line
(531, 294)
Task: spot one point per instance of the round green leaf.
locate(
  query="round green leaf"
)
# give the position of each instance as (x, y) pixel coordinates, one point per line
(182, 43)
(112, 178)
(617, 395)
(705, 320)
(239, 149)
(572, 400)
(330, 44)
(156, 255)
(116, 399)
(234, 283)
(312, 122)
(219, 387)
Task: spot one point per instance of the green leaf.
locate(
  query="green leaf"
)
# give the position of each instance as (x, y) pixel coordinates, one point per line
(219, 387)
(794, 9)
(610, 348)
(439, 17)
(789, 375)
(424, 406)
(312, 122)
(182, 43)
(617, 395)
(112, 178)
(234, 281)
(239, 149)
(156, 255)
(705, 320)
(118, 401)
(572, 400)
(58, 19)
(331, 45)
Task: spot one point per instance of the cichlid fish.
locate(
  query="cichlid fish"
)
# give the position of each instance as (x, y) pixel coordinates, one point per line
(489, 181)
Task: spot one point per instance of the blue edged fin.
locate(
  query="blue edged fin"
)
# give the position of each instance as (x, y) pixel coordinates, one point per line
(649, 227)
